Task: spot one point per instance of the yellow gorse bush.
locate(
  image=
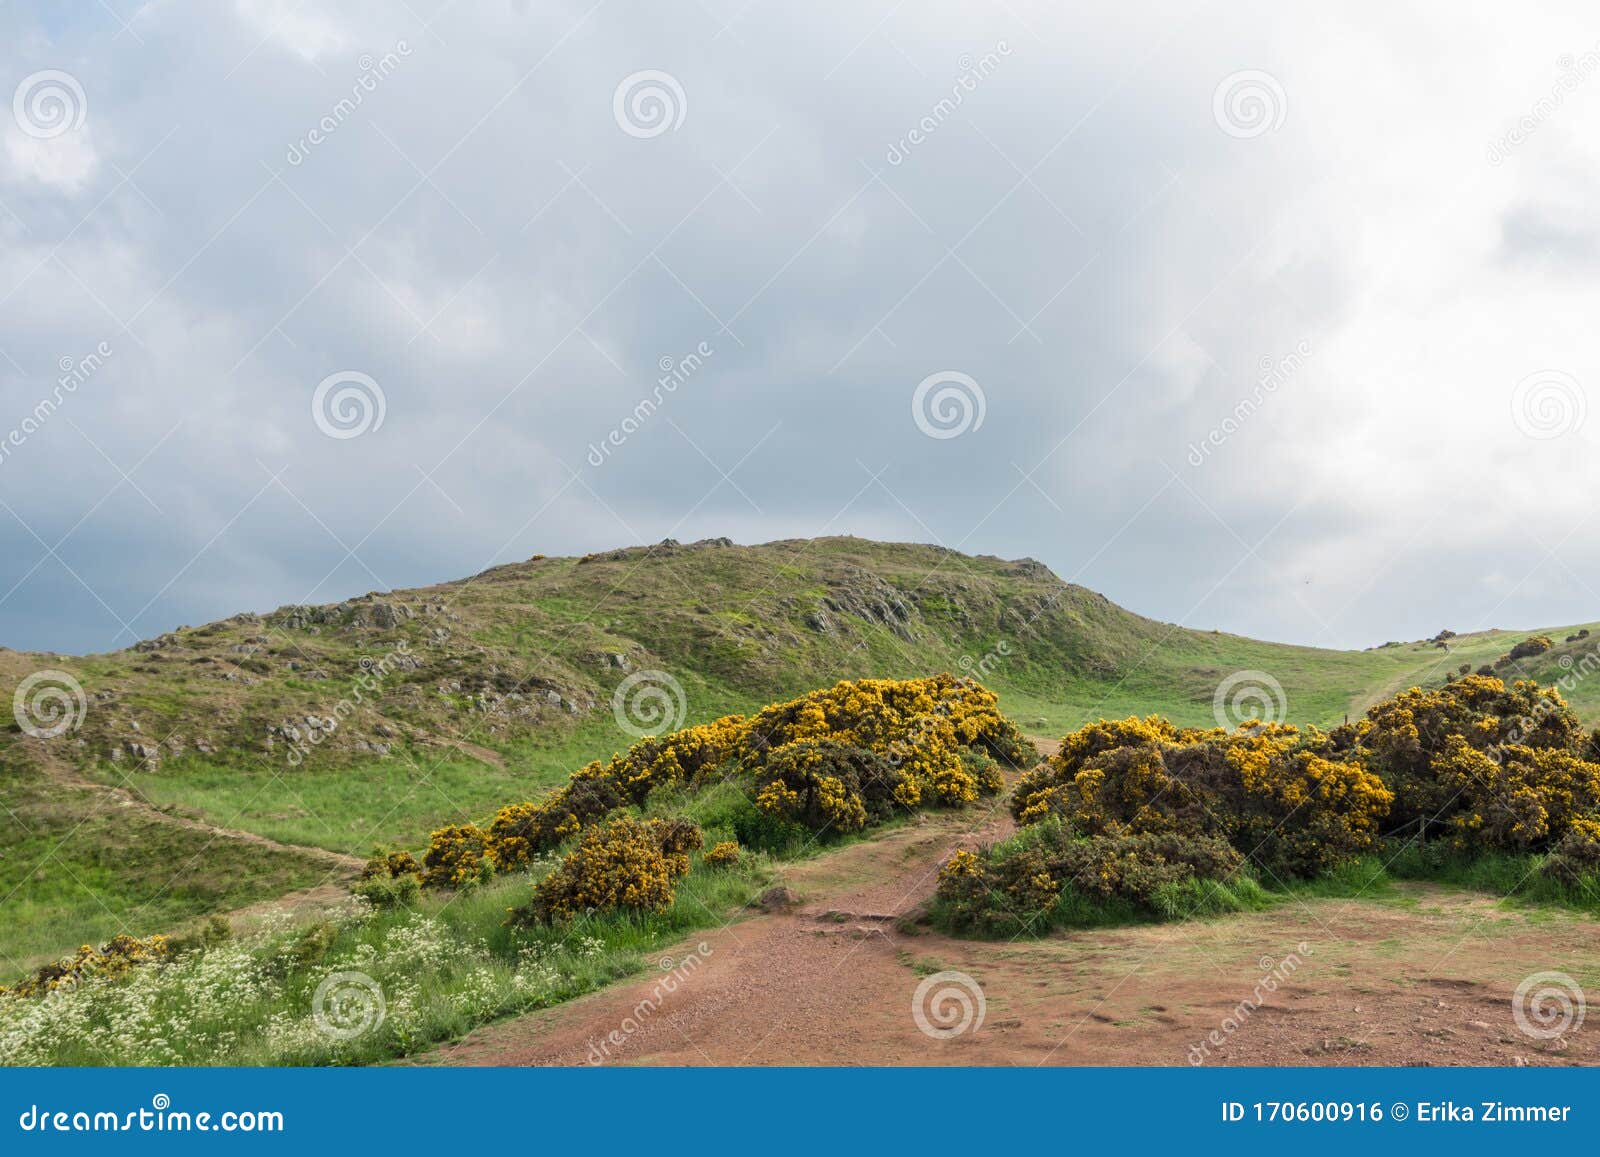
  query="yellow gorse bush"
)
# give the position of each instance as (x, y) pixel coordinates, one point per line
(1275, 792)
(1484, 763)
(115, 958)
(834, 759)
(623, 864)
(455, 857)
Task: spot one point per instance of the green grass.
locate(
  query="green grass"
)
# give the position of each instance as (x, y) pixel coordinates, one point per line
(75, 869)
(443, 966)
(728, 623)
(1512, 877)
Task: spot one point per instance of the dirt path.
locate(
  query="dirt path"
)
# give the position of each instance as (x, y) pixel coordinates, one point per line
(810, 986)
(476, 751)
(1422, 976)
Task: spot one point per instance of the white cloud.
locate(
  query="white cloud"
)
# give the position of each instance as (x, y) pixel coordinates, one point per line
(1085, 189)
(302, 28)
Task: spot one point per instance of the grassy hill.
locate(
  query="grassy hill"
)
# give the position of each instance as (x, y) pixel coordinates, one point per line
(224, 764)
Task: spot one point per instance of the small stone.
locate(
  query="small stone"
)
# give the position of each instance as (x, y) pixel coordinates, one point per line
(777, 899)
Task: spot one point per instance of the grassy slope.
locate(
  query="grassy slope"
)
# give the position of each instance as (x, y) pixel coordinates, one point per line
(519, 662)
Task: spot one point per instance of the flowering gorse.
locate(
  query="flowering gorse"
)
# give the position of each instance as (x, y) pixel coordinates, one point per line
(836, 759)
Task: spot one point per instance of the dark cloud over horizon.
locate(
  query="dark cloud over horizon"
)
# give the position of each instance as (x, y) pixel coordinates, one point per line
(1340, 258)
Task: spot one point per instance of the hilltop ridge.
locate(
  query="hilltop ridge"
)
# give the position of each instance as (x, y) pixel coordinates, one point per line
(246, 750)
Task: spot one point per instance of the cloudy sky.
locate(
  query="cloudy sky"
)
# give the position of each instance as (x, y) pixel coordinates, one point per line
(1279, 322)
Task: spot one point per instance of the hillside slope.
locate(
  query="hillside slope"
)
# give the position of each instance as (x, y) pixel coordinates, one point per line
(335, 728)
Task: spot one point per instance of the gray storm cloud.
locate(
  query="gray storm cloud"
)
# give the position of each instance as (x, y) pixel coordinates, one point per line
(1278, 323)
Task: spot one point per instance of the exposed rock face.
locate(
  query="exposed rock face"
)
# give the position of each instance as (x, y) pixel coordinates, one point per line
(819, 622)
(867, 596)
(366, 611)
(389, 615)
(1031, 568)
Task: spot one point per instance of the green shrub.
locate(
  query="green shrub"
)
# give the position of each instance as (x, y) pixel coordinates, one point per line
(389, 892)
(1047, 875)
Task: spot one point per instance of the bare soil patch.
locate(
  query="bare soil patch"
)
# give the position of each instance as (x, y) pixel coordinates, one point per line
(1421, 976)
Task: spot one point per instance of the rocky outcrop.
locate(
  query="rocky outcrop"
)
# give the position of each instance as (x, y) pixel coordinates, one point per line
(866, 596)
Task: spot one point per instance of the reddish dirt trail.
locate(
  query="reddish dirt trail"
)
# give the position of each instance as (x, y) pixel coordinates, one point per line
(1424, 976)
(823, 984)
